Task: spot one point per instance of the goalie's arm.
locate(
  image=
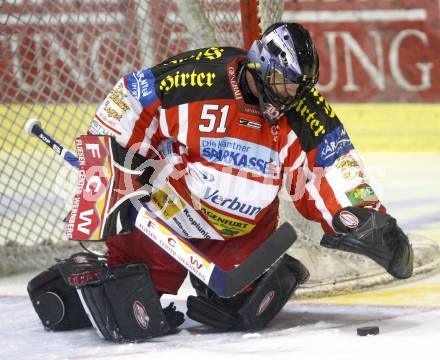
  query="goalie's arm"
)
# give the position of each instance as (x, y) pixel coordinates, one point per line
(324, 171)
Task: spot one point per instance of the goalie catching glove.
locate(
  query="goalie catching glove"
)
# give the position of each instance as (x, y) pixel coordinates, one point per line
(373, 234)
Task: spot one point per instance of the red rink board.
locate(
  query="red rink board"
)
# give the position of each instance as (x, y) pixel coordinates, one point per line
(378, 51)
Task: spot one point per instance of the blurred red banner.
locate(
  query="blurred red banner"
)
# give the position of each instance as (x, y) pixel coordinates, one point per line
(72, 51)
(377, 51)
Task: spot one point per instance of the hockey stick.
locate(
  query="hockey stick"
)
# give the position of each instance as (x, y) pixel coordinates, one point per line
(33, 127)
(225, 283)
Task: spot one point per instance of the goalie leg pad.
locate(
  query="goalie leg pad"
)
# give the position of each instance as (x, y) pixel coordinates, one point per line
(251, 310)
(125, 307)
(56, 303)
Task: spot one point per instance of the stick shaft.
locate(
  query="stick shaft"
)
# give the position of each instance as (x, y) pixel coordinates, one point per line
(54, 145)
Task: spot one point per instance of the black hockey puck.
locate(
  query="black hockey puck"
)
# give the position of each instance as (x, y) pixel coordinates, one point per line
(368, 330)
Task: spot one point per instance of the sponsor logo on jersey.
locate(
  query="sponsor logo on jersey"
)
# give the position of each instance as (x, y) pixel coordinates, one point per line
(111, 112)
(275, 132)
(236, 91)
(346, 162)
(184, 79)
(115, 105)
(362, 195)
(232, 205)
(168, 204)
(314, 109)
(334, 145)
(321, 101)
(226, 225)
(191, 218)
(241, 155)
(211, 53)
(349, 167)
(249, 123)
(97, 129)
(118, 97)
(349, 219)
(315, 125)
(234, 83)
(141, 86)
(198, 174)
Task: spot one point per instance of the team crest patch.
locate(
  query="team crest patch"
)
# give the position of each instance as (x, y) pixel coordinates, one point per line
(349, 219)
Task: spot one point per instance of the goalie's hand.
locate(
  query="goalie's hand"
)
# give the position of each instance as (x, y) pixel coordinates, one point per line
(374, 234)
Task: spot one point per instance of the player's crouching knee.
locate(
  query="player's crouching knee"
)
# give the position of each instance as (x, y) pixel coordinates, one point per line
(252, 309)
(121, 302)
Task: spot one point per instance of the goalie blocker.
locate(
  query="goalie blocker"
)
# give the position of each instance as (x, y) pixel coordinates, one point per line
(121, 302)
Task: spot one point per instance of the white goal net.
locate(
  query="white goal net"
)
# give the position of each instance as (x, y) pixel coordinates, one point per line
(59, 59)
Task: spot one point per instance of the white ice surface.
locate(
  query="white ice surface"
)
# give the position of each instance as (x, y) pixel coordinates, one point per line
(300, 331)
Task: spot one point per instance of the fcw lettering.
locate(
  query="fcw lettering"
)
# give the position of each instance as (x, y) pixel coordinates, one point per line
(86, 221)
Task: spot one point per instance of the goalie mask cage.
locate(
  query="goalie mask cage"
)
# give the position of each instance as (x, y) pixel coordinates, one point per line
(58, 61)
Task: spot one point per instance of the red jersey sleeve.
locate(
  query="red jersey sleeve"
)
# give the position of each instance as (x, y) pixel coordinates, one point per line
(324, 171)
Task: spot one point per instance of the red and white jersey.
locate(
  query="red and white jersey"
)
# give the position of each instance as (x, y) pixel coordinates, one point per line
(225, 163)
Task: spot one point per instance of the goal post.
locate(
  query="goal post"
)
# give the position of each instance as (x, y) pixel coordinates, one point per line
(249, 21)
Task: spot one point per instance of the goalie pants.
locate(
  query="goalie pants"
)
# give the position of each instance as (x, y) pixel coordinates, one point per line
(167, 274)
